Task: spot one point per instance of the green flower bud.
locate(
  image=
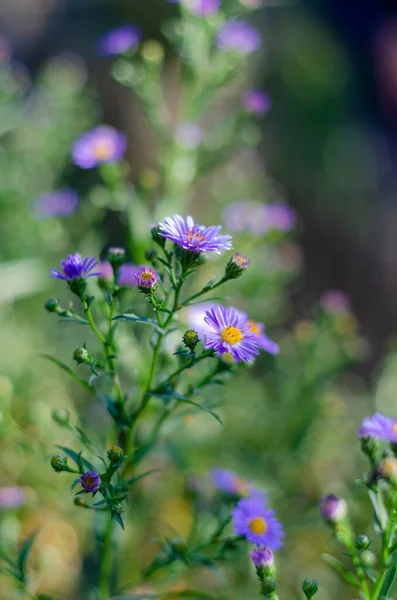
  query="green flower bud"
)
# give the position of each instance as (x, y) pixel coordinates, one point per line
(269, 585)
(52, 305)
(363, 542)
(115, 454)
(116, 257)
(156, 237)
(310, 588)
(191, 339)
(151, 254)
(81, 355)
(370, 445)
(59, 463)
(61, 416)
(117, 508)
(236, 266)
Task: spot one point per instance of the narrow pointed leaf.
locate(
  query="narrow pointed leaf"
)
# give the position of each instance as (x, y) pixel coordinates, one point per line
(69, 371)
(139, 319)
(24, 554)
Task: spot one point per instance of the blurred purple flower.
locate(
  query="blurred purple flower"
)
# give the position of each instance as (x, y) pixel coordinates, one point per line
(11, 497)
(258, 218)
(203, 8)
(257, 523)
(231, 334)
(379, 426)
(106, 271)
(90, 481)
(74, 268)
(230, 483)
(262, 340)
(103, 144)
(119, 40)
(238, 36)
(193, 237)
(262, 557)
(240, 261)
(5, 52)
(335, 302)
(189, 136)
(127, 275)
(195, 318)
(58, 203)
(146, 277)
(332, 508)
(256, 101)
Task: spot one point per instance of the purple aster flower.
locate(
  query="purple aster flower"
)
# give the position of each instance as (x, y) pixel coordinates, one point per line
(262, 557)
(146, 277)
(279, 216)
(90, 481)
(379, 426)
(11, 497)
(203, 8)
(103, 144)
(59, 203)
(257, 523)
(256, 101)
(119, 40)
(238, 36)
(258, 218)
(105, 271)
(75, 268)
(335, 302)
(332, 508)
(240, 261)
(231, 333)
(262, 340)
(193, 237)
(127, 275)
(189, 136)
(230, 483)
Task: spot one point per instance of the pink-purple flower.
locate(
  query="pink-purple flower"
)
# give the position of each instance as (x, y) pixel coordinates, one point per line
(146, 277)
(332, 508)
(230, 333)
(335, 302)
(90, 481)
(262, 557)
(56, 204)
(238, 36)
(256, 101)
(74, 267)
(259, 218)
(11, 497)
(231, 484)
(105, 271)
(380, 427)
(193, 237)
(257, 523)
(127, 275)
(200, 8)
(119, 40)
(103, 144)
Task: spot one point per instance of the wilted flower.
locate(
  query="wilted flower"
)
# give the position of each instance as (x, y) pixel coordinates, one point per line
(380, 427)
(127, 275)
(231, 333)
(257, 523)
(332, 508)
(335, 302)
(119, 40)
(238, 36)
(56, 204)
(11, 497)
(103, 144)
(262, 557)
(90, 481)
(189, 136)
(75, 268)
(193, 237)
(256, 101)
(146, 277)
(230, 483)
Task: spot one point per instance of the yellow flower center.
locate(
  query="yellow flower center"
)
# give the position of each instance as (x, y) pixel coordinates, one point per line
(146, 275)
(102, 150)
(254, 327)
(195, 235)
(395, 428)
(231, 335)
(258, 525)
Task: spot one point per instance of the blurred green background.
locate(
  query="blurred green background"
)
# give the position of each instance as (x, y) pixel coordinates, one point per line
(328, 146)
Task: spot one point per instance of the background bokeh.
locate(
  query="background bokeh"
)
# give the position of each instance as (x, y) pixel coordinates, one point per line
(328, 147)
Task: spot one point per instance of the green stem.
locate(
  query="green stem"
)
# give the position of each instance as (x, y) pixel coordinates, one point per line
(186, 365)
(202, 292)
(386, 541)
(105, 570)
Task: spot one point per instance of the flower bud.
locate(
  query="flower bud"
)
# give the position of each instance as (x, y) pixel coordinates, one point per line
(61, 416)
(369, 446)
(117, 508)
(59, 463)
(332, 509)
(236, 266)
(387, 469)
(191, 339)
(156, 237)
(116, 257)
(115, 454)
(52, 305)
(310, 588)
(269, 585)
(151, 254)
(147, 279)
(81, 355)
(78, 286)
(363, 542)
(262, 557)
(90, 481)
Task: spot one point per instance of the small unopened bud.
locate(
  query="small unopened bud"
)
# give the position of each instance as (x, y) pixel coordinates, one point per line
(61, 416)
(387, 469)
(156, 237)
(310, 588)
(236, 266)
(363, 542)
(191, 339)
(116, 257)
(370, 445)
(81, 355)
(269, 585)
(117, 508)
(52, 305)
(147, 279)
(115, 454)
(332, 509)
(59, 463)
(151, 254)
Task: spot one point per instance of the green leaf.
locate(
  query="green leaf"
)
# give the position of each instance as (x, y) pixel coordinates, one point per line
(69, 371)
(381, 516)
(77, 458)
(388, 583)
(341, 569)
(24, 555)
(133, 480)
(139, 319)
(114, 410)
(119, 520)
(180, 398)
